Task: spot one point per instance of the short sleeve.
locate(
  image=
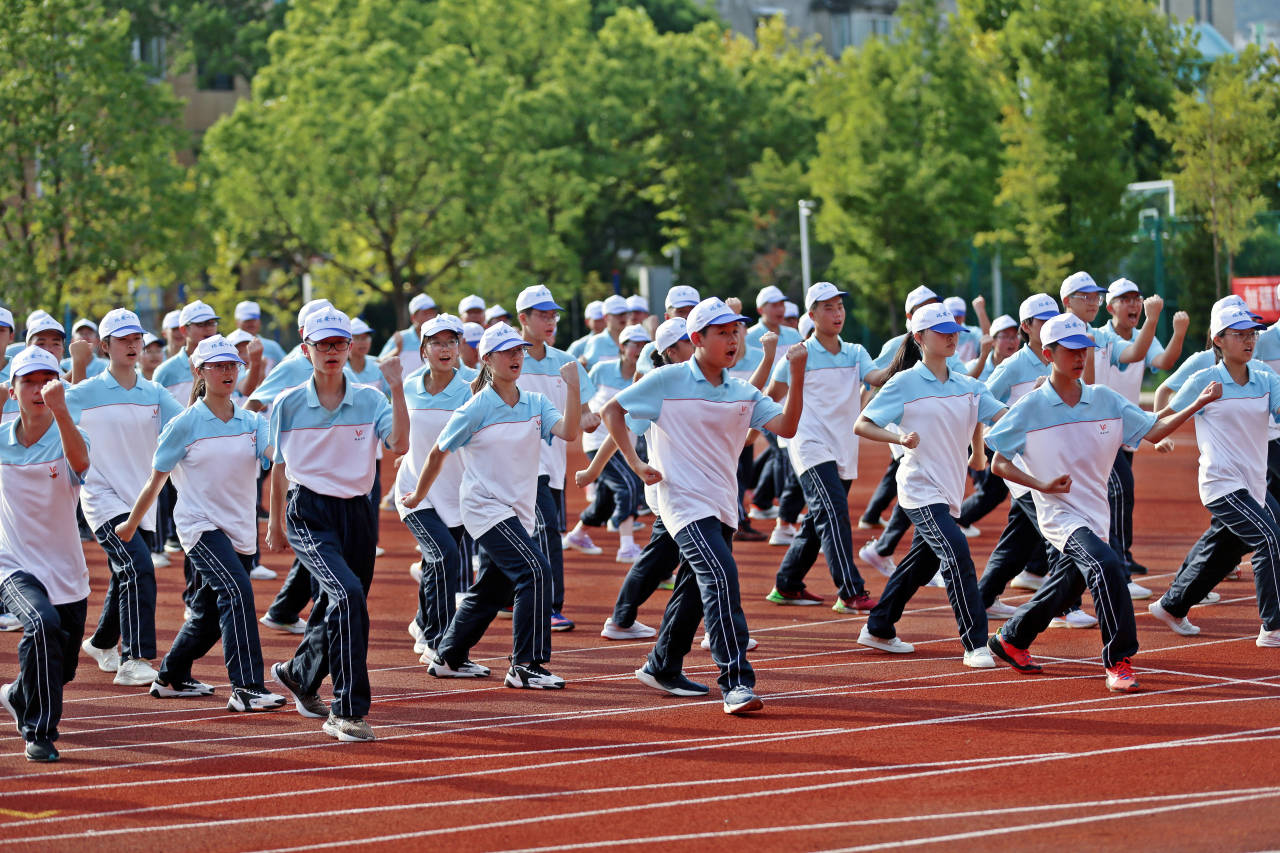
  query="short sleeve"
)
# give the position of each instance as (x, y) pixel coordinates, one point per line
(886, 406)
(1009, 437)
(643, 399)
(586, 388)
(274, 430)
(864, 360)
(459, 428)
(1271, 381)
(1191, 389)
(1184, 372)
(988, 405)
(171, 447)
(781, 372)
(382, 413)
(550, 415)
(1156, 350)
(272, 385)
(639, 426)
(765, 410)
(262, 437)
(170, 408)
(1134, 421)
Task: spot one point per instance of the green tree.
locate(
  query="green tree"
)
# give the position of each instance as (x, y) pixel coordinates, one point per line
(216, 36)
(91, 192)
(1224, 136)
(668, 16)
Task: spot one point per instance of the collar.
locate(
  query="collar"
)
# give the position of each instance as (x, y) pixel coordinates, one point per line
(348, 392)
(1086, 393)
(699, 376)
(923, 369)
(1224, 375)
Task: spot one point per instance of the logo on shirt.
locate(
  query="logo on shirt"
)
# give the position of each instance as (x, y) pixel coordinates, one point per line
(742, 408)
(53, 472)
(1104, 428)
(359, 435)
(155, 411)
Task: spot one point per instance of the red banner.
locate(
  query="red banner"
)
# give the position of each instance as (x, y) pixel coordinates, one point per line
(1259, 293)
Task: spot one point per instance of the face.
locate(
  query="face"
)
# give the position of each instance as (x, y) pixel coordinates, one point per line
(174, 336)
(124, 350)
(631, 351)
(682, 311)
(51, 342)
(84, 333)
(1066, 361)
(6, 337)
(1007, 342)
(718, 346)
(1125, 311)
(253, 325)
(615, 323)
(791, 322)
(197, 332)
(152, 356)
(1085, 306)
(26, 390)
(328, 355)
(828, 316)
(441, 350)
(360, 344)
(771, 312)
(636, 317)
(1236, 345)
(539, 325)
(679, 352)
(1032, 327)
(220, 377)
(501, 318)
(422, 316)
(937, 344)
(596, 325)
(506, 365)
(473, 315)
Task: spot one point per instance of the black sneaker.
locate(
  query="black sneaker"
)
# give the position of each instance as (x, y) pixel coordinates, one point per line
(348, 729)
(1136, 568)
(676, 685)
(466, 669)
(255, 697)
(532, 677)
(42, 751)
(307, 704)
(186, 688)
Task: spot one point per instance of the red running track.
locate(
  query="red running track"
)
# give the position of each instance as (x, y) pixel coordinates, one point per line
(856, 750)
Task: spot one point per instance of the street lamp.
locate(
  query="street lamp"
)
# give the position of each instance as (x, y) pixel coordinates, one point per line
(806, 207)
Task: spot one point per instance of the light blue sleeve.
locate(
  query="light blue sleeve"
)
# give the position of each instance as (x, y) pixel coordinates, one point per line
(865, 363)
(1009, 437)
(1000, 382)
(575, 348)
(277, 424)
(643, 400)
(586, 388)
(1271, 381)
(170, 408)
(275, 382)
(765, 410)
(550, 416)
(263, 438)
(1135, 423)
(988, 405)
(172, 446)
(594, 375)
(460, 427)
(1186, 370)
(1191, 389)
(781, 372)
(382, 416)
(387, 348)
(886, 406)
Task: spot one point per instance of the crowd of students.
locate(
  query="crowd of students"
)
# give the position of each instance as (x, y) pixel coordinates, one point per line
(181, 445)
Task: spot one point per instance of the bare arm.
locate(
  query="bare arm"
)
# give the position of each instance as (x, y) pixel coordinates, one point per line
(257, 369)
(1004, 468)
(868, 429)
(427, 476)
(73, 446)
(615, 420)
(1163, 395)
(150, 490)
(571, 424)
(875, 378)
(1137, 351)
(760, 376)
(979, 304)
(784, 425)
(591, 473)
(1168, 359)
(1170, 423)
(276, 540)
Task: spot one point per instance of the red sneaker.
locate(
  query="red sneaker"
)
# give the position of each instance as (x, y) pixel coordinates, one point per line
(1120, 678)
(802, 596)
(1019, 659)
(857, 604)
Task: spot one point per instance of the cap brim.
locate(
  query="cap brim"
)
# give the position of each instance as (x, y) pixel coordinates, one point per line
(125, 330)
(1241, 325)
(321, 334)
(1089, 288)
(1043, 315)
(948, 328)
(682, 303)
(221, 357)
(721, 320)
(1074, 342)
(503, 346)
(673, 343)
(541, 306)
(808, 305)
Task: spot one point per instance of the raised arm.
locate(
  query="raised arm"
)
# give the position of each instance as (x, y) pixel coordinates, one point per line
(760, 376)
(1169, 358)
(571, 424)
(784, 425)
(1137, 351)
(398, 441)
(73, 446)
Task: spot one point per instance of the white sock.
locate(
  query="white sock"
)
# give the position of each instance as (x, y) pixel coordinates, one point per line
(626, 540)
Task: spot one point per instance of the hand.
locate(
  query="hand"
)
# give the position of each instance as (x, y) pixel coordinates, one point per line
(276, 540)
(978, 460)
(651, 476)
(735, 304)
(54, 395)
(412, 499)
(987, 343)
(125, 530)
(909, 440)
(1211, 392)
(1181, 320)
(798, 355)
(569, 373)
(583, 478)
(391, 370)
(590, 422)
(1059, 486)
(1165, 445)
(81, 352)
(769, 342)
(978, 303)
(1152, 306)
(254, 351)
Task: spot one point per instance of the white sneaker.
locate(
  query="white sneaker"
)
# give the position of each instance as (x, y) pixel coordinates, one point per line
(298, 627)
(428, 654)
(762, 514)
(637, 631)
(1268, 639)
(262, 573)
(970, 532)
(1181, 626)
(1138, 592)
(1211, 598)
(378, 550)
(419, 644)
(415, 572)
(868, 555)
(937, 580)
(135, 672)
(782, 534)
(979, 659)
(628, 553)
(894, 646)
(9, 622)
(108, 659)
(872, 525)
(160, 560)
(1073, 619)
(1026, 580)
(1000, 610)
(751, 643)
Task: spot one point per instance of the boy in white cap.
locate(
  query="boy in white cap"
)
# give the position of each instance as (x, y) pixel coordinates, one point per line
(46, 333)
(44, 580)
(471, 309)
(637, 309)
(249, 318)
(325, 434)
(1067, 432)
(495, 314)
(86, 331)
(152, 355)
(699, 419)
(605, 344)
(171, 328)
(468, 347)
(791, 316)
(593, 316)
(679, 302)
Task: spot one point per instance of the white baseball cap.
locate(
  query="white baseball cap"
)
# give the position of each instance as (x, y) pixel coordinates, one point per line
(494, 312)
(470, 302)
(1232, 317)
(171, 320)
(999, 324)
(196, 312)
(119, 322)
(360, 327)
(6, 318)
(214, 349)
(634, 333)
(421, 302)
(1120, 287)
(83, 323)
(1078, 282)
(247, 311)
(1038, 306)
(33, 360)
(790, 309)
(239, 336)
(1232, 299)
(442, 323)
(536, 297)
(500, 337)
(308, 308)
(935, 317)
(768, 294)
(820, 291)
(595, 310)
(1067, 330)
(670, 333)
(329, 323)
(956, 306)
(711, 312)
(616, 305)
(148, 339)
(682, 296)
(41, 321)
(636, 302)
(472, 333)
(919, 297)
(805, 326)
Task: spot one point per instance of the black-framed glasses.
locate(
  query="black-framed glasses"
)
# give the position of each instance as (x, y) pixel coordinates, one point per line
(341, 345)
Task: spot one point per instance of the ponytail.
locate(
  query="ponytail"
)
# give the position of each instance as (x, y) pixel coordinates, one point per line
(658, 359)
(485, 377)
(908, 355)
(197, 388)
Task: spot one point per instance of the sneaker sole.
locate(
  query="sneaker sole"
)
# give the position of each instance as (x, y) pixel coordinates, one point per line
(750, 706)
(170, 693)
(453, 673)
(793, 602)
(133, 681)
(647, 679)
(621, 636)
(893, 650)
(998, 651)
(253, 709)
(297, 700)
(1132, 688)
(277, 626)
(562, 627)
(520, 685)
(343, 737)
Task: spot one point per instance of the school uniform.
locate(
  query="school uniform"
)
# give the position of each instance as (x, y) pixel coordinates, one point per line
(498, 501)
(776, 476)
(124, 425)
(1230, 433)
(824, 454)
(1081, 440)
(174, 375)
(599, 347)
(436, 523)
(215, 465)
(696, 432)
(44, 580)
(1267, 350)
(410, 352)
(576, 348)
(329, 461)
(621, 490)
(272, 353)
(95, 367)
(371, 375)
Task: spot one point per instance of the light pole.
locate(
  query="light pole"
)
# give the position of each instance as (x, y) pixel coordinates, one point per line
(806, 207)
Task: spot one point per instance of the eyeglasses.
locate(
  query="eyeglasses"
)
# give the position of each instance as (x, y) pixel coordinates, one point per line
(221, 365)
(1242, 334)
(1087, 298)
(330, 346)
(437, 343)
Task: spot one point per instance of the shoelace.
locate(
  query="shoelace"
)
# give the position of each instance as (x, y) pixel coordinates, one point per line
(1123, 669)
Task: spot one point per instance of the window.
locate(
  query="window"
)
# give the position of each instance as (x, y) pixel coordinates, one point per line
(851, 29)
(150, 52)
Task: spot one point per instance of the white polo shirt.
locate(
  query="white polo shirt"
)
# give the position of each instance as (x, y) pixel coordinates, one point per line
(944, 415)
(698, 430)
(786, 337)
(1080, 440)
(543, 376)
(410, 352)
(607, 377)
(1012, 380)
(215, 470)
(1125, 378)
(124, 426)
(500, 471)
(832, 402)
(599, 347)
(38, 531)
(174, 374)
(330, 452)
(428, 414)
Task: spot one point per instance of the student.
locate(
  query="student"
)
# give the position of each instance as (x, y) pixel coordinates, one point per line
(471, 310)
(1067, 425)
(8, 622)
(1002, 343)
(621, 488)
(495, 314)
(791, 315)
(45, 333)
(196, 322)
(152, 355)
(969, 342)
(593, 314)
(679, 302)
(824, 453)
(249, 319)
(85, 330)
(637, 309)
(214, 450)
(406, 343)
(938, 410)
(699, 420)
(324, 433)
(605, 344)
(432, 394)
(123, 415)
(541, 372)
(171, 329)
(498, 500)
(469, 350)
(1231, 432)
(44, 580)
